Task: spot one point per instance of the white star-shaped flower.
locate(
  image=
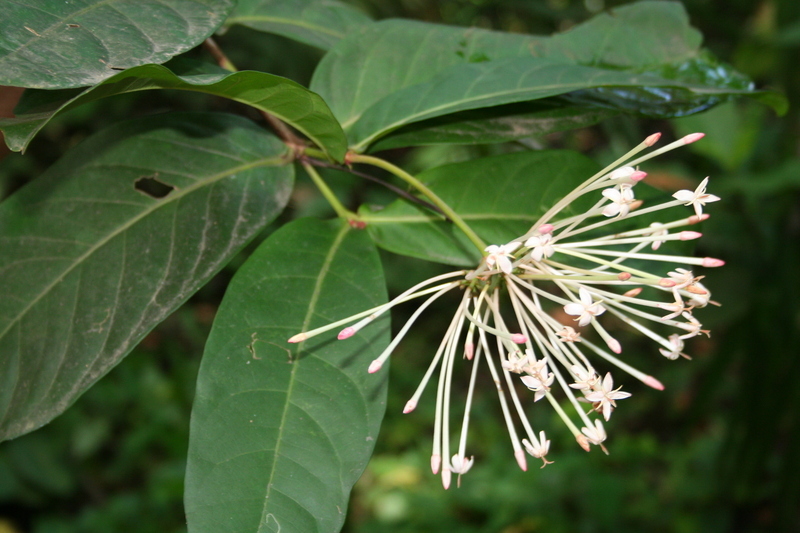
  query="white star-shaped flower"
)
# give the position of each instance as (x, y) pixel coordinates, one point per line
(586, 309)
(501, 255)
(540, 246)
(596, 434)
(604, 396)
(621, 199)
(538, 379)
(697, 198)
(540, 450)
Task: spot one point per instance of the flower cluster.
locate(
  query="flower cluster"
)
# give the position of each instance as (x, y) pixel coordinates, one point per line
(557, 280)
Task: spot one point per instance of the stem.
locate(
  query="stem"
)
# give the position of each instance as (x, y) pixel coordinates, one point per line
(341, 211)
(421, 187)
(282, 130)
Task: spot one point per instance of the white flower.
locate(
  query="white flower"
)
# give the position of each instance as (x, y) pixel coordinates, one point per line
(460, 464)
(658, 231)
(539, 448)
(593, 435)
(538, 379)
(501, 255)
(540, 246)
(586, 310)
(697, 198)
(572, 261)
(584, 379)
(676, 347)
(621, 199)
(604, 396)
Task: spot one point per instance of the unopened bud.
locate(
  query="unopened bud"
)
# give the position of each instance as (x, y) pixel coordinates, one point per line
(375, 366)
(694, 219)
(692, 137)
(583, 442)
(520, 456)
(633, 293)
(446, 478)
(689, 235)
(624, 276)
(545, 228)
(410, 406)
(666, 282)
(652, 139)
(712, 262)
(469, 350)
(300, 337)
(696, 290)
(614, 345)
(518, 338)
(650, 381)
(346, 333)
(638, 175)
(436, 462)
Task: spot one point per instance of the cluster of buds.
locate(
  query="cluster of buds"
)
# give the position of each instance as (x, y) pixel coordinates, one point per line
(558, 279)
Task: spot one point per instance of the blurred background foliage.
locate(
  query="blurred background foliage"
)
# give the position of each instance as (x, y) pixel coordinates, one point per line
(716, 452)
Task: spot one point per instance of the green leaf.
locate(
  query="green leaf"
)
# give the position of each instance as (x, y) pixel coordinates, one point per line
(500, 197)
(320, 23)
(493, 83)
(492, 125)
(280, 432)
(392, 73)
(115, 236)
(287, 100)
(55, 44)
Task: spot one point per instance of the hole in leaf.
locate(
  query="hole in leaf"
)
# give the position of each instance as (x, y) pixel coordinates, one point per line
(152, 187)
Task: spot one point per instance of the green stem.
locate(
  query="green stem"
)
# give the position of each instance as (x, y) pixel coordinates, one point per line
(421, 187)
(341, 211)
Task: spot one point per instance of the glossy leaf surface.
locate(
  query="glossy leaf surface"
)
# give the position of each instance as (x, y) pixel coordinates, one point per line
(287, 100)
(52, 44)
(280, 432)
(320, 23)
(395, 72)
(110, 240)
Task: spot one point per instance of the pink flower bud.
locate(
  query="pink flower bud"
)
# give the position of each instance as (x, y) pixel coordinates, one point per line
(374, 366)
(410, 406)
(689, 235)
(518, 338)
(346, 333)
(650, 381)
(652, 139)
(692, 137)
(520, 456)
(711, 262)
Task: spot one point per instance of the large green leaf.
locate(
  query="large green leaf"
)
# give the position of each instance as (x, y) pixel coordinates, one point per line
(90, 261)
(395, 72)
(280, 432)
(287, 100)
(500, 197)
(503, 81)
(320, 23)
(55, 44)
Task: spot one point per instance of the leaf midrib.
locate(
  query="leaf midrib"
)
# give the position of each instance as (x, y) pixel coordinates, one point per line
(178, 194)
(306, 321)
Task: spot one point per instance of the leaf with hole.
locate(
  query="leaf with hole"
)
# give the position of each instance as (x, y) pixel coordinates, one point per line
(114, 237)
(281, 97)
(320, 23)
(52, 44)
(280, 432)
(500, 197)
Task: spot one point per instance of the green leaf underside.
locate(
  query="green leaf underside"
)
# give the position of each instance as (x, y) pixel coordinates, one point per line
(388, 74)
(492, 125)
(89, 263)
(281, 432)
(320, 23)
(287, 100)
(500, 197)
(52, 44)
